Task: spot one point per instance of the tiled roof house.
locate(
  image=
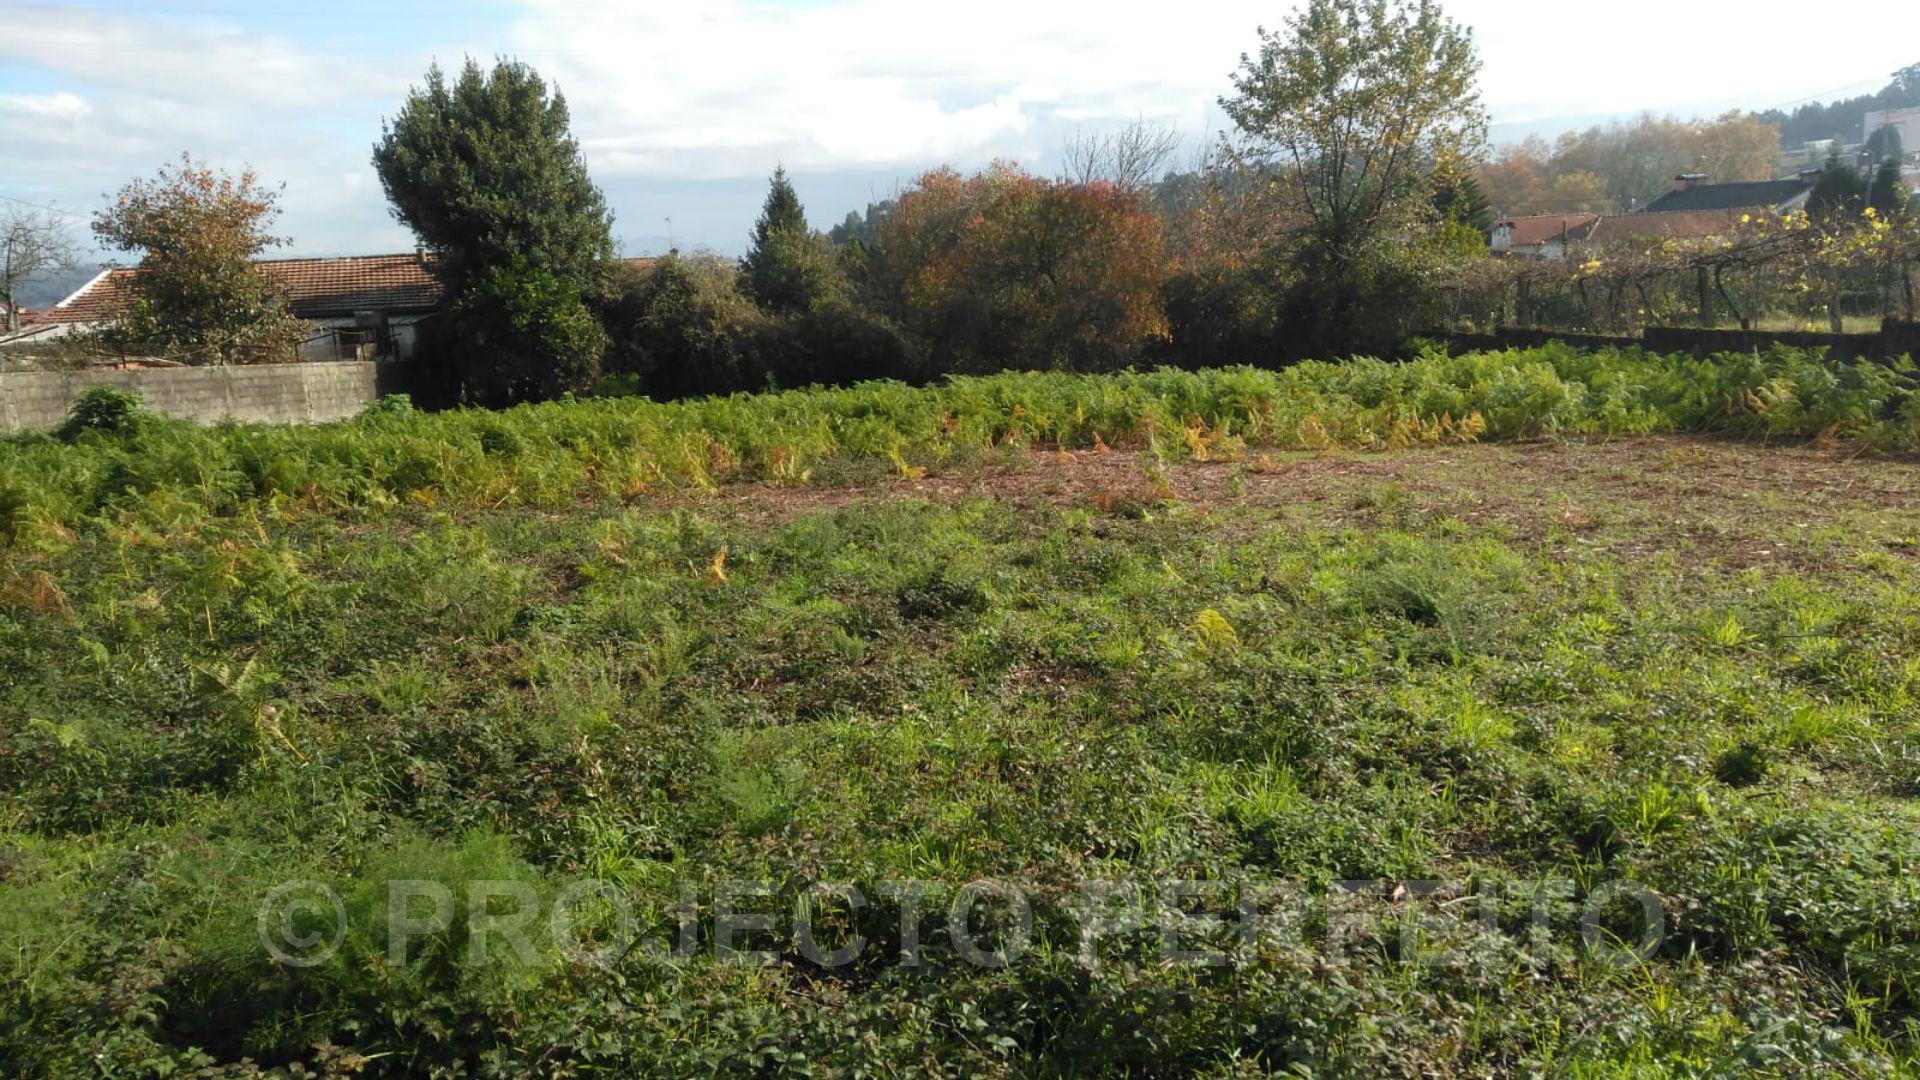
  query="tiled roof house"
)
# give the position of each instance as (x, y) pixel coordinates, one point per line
(1669, 225)
(1692, 192)
(361, 304)
(1541, 235)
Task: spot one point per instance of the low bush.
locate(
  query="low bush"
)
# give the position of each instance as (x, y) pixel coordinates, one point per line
(104, 409)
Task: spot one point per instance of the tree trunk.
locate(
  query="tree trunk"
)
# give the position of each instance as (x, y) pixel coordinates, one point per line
(1706, 297)
(1721, 288)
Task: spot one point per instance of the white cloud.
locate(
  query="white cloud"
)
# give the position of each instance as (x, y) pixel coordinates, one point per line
(211, 63)
(683, 107)
(62, 106)
(727, 87)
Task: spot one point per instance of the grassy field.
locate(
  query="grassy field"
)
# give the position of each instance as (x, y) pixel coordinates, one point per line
(1465, 678)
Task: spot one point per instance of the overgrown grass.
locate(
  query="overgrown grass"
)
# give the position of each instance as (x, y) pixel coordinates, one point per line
(631, 449)
(467, 647)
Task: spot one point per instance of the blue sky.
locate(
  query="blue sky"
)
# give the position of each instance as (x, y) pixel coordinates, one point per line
(683, 108)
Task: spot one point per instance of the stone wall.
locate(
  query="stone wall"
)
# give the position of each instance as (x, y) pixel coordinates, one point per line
(260, 393)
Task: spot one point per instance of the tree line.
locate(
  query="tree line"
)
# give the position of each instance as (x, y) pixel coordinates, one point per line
(1315, 226)
(1346, 208)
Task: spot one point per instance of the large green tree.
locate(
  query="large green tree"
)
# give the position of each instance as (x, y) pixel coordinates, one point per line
(485, 170)
(486, 173)
(1350, 110)
(788, 267)
(1884, 145)
(1888, 192)
(1840, 192)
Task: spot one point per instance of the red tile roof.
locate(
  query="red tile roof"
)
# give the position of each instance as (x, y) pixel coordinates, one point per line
(361, 283)
(318, 288)
(1681, 225)
(1537, 229)
(98, 299)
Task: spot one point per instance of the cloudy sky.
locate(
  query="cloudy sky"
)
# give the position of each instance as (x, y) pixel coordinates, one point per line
(684, 106)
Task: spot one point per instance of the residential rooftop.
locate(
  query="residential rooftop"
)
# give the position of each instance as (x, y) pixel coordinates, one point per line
(318, 288)
(1692, 192)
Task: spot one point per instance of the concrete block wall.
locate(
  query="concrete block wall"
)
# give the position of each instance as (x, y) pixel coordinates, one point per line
(260, 394)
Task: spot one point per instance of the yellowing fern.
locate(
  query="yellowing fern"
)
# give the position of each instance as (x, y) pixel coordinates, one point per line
(1214, 632)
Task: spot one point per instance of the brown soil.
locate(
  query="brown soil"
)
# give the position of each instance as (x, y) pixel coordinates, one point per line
(1738, 503)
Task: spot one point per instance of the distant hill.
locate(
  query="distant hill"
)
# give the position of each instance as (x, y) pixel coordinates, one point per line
(49, 289)
(1843, 119)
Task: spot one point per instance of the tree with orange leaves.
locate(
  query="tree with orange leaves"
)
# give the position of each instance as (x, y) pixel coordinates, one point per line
(199, 295)
(1007, 270)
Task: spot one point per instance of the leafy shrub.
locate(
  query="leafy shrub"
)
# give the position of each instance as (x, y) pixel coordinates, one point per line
(390, 405)
(838, 344)
(1006, 270)
(105, 409)
(680, 328)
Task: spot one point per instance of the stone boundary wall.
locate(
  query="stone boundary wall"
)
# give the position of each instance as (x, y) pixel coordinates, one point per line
(257, 393)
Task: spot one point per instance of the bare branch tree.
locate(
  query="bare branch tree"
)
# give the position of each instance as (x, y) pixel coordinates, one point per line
(32, 242)
(1131, 158)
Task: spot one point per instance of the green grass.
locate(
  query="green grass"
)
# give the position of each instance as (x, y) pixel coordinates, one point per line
(1525, 671)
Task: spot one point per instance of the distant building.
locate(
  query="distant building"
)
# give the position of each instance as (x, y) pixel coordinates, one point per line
(1557, 236)
(1691, 192)
(1670, 225)
(1906, 121)
(363, 306)
(1541, 236)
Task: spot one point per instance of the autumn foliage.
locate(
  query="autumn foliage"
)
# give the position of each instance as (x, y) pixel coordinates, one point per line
(1004, 269)
(200, 296)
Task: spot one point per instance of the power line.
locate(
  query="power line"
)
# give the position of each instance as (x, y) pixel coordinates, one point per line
(1823, 94)
(49, 209)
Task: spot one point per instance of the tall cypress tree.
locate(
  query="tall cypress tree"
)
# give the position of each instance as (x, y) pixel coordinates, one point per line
(488, 176)
(1884, 145)
(485, 171)
(1888, 195)
(788, 269)
(1839, 192)
(780, 213)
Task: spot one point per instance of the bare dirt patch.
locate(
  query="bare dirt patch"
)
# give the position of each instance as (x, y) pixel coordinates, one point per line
(1737, 503)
